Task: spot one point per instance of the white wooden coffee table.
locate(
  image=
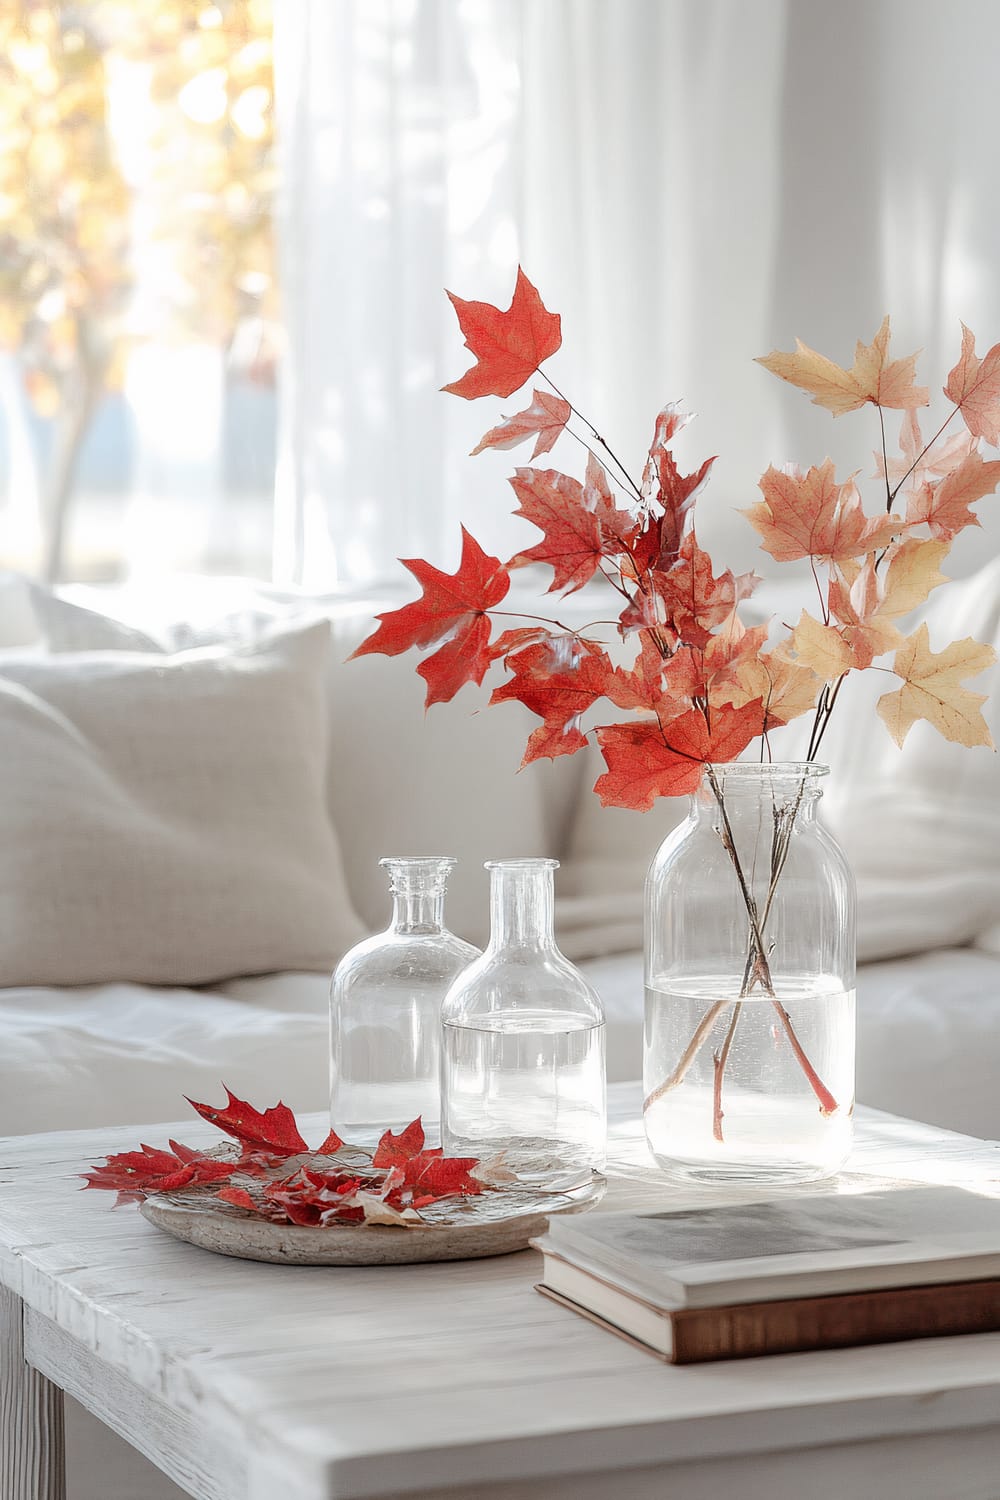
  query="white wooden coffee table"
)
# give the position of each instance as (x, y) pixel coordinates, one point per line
(252, 1382)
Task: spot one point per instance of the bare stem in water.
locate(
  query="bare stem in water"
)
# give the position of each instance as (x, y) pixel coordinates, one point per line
(756, 970)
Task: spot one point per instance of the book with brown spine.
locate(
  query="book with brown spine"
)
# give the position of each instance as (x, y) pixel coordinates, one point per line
(730, 1281)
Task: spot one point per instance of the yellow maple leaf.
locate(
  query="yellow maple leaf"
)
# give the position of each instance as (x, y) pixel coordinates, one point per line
(821, 647)
(873, 376)
(911, 574)
(932, 690)
(786, 688)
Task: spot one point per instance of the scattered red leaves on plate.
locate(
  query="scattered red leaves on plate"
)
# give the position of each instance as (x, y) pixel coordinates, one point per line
(278, 1177)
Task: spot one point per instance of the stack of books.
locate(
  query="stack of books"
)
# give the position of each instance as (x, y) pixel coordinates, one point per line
(820, 1271)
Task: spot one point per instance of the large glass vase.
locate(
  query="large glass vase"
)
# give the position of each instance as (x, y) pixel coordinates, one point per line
(748, 1070)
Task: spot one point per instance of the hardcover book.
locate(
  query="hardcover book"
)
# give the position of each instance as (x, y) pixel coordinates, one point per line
(793, 1273)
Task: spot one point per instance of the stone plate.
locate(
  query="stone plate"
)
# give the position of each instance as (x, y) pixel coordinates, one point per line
(494, 1224)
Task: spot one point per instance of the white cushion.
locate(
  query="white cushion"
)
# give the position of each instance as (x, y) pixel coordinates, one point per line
(162, 817)
(921, 825)
(401, 780)
(599, 900)
(122, 1054)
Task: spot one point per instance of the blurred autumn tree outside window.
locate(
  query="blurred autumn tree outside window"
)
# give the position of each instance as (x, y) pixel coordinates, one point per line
(138, 296)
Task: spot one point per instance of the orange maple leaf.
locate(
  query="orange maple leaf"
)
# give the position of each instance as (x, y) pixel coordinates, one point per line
(714, 670)
(810, 515)
(946, 506)
(649, 760)
(974, 386)
(453, 605)
(913, 464)
(872, 377)
(509, 346)
(544, 420)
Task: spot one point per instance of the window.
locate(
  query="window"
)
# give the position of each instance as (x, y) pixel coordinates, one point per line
(138, 291)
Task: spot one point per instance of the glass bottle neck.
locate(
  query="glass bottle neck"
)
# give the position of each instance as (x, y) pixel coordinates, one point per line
(746, 791)
(521, 905)
(418, 887)
(418, 911)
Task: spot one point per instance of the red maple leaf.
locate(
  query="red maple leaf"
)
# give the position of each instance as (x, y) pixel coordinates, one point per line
(330, 1146)
(693, 600)
(573, 543)
(643, 685)
(238, 1197)
(667, 492)
(619, 528)
(133, 1174)
(509, 346)
(453, 605)
(974, 386)
(274, 1131)
(558, 680)
(649, 760)
(581, 523)
(544, 420)
(431, 1176)
(396, 1150)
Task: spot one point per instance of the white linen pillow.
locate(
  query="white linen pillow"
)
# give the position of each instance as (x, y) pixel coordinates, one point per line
(162, 818)
(599, 891)
(920, 825)
(400, 780)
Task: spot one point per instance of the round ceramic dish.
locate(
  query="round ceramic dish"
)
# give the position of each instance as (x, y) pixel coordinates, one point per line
(497, 1224)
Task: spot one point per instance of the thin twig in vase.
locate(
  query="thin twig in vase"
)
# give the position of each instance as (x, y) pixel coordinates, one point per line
(719, 1061)
(756, 970)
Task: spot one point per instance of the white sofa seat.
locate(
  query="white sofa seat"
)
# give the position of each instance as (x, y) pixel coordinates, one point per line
(928, 1043)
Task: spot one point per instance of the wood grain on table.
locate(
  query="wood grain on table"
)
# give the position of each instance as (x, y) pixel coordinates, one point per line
(245, 1381)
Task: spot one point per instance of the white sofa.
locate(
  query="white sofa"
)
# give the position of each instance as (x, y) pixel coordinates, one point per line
(400, 781)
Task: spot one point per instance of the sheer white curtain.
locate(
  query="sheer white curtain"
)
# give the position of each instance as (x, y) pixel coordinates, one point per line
(689, 182)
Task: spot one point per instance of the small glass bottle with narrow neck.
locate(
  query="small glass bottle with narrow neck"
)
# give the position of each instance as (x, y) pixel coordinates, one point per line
(523, 1052)
(385, 1009)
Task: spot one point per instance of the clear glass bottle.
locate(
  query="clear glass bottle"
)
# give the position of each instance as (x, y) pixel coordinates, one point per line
(523, 1051)
(748, 1066)
(385, 1009)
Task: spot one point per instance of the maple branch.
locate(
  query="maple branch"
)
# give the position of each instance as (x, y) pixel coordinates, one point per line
(597, 436)
(719, 1060)
(817, 738)
(889, 497)
(824, 606)
(923, 452)
(517, 614)
(756, 970)
(689, 1054)
(616, 583)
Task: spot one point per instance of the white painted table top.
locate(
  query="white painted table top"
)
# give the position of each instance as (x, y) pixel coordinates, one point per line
(329, 1384)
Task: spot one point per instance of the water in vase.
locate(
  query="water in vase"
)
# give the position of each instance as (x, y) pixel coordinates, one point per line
(758, 1089)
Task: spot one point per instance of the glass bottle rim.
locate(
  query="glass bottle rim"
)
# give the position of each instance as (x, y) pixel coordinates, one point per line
(417, 861)
(527, 863)
(753, 771)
